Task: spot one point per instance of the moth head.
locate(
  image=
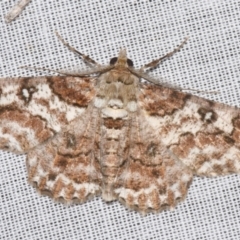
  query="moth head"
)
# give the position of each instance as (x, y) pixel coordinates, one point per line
(122, 59)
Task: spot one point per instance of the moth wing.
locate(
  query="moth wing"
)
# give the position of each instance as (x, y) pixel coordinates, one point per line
(203, 134)
(152, 178)
(64, 167)
(33, 110)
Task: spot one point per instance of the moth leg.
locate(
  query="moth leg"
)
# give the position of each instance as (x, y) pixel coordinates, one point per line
(154, 63)
(85, 58)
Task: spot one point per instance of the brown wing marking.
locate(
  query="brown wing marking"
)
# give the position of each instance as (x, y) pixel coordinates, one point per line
(64, 167)
(203, 134)
(153, 179)
(34, 109)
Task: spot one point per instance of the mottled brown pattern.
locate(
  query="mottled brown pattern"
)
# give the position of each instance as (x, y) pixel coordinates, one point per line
(113, 123)
(208, 125)
(67, 162)
(24, 121)
(147, 154)
(113, 136)
(26, 102)
(159, 101)
(73, 90)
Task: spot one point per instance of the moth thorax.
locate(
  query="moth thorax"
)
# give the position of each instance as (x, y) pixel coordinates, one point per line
(120, 76)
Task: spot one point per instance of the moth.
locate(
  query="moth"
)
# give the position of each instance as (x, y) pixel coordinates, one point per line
(104, 132)
(16, 10)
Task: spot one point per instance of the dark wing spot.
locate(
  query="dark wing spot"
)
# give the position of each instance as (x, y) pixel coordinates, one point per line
(151, 150)
(60, 161)
(52, 176)
(156, 173)
(207, 115)
(71, 141)
(229, 140)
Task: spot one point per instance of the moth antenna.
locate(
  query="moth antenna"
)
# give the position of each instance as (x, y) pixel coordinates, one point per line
(98, 70)
(85, 58)
(154, 63)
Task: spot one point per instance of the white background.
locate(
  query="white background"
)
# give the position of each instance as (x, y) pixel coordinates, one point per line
(149, 29)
